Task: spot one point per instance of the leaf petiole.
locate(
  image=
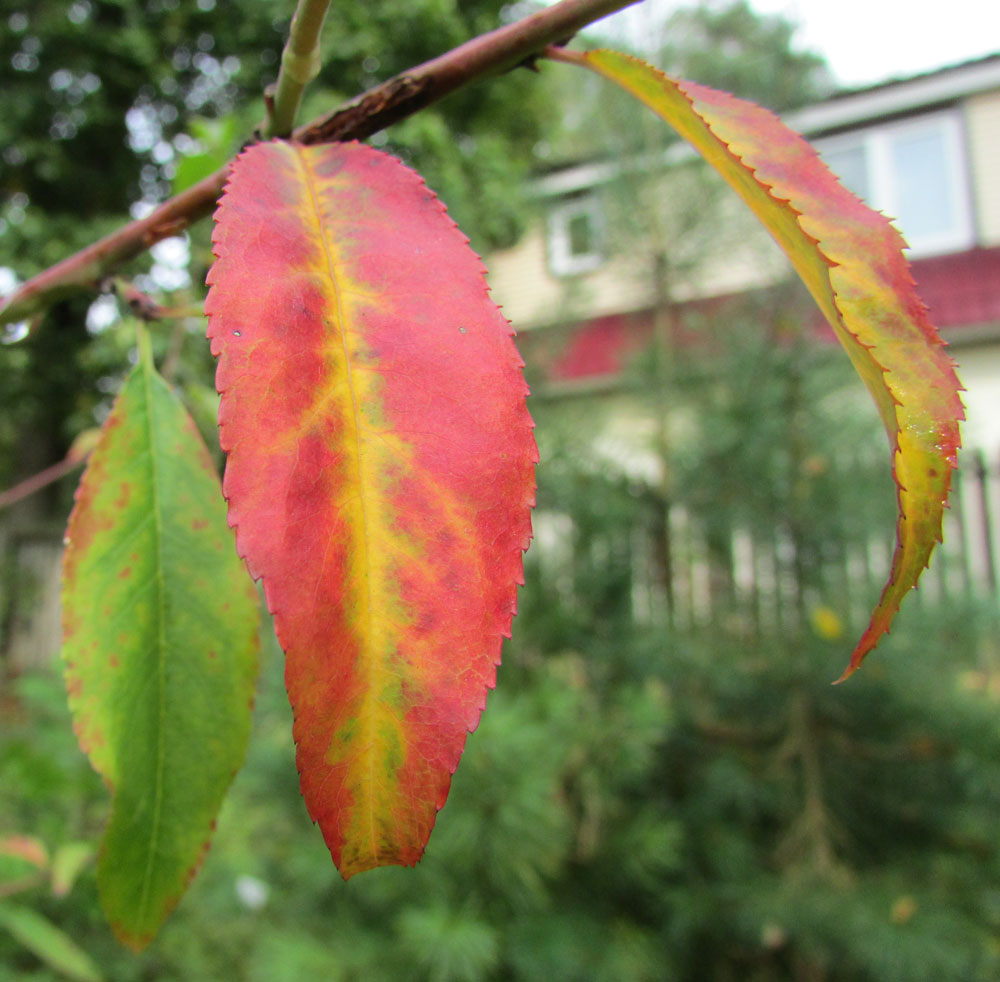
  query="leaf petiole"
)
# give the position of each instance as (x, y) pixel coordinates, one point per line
(144, 345)
(300, 64)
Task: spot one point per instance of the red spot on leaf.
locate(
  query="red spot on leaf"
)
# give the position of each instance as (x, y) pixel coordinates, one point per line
(124, 494)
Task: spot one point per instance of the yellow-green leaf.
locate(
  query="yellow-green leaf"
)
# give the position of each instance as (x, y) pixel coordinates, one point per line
(67, 864)
(50, 945)
(851, 260)
(160, 642)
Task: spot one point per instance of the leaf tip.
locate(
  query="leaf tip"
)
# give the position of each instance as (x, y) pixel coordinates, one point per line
(852, 667)
(136, 942)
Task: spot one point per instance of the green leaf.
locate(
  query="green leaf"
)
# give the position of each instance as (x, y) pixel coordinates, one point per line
(43, 939)
(67, 864)
(160, 644)
(217, 139)
(851, 260)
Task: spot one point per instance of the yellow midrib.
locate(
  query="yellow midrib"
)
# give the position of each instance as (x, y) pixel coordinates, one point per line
(367, 727)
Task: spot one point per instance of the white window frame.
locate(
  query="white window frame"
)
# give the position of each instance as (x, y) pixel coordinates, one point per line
(877, 142)
(562, 260)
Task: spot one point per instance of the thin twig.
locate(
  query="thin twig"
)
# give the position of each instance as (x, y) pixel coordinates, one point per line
(143, 306)
(369, 113)
(31, 485)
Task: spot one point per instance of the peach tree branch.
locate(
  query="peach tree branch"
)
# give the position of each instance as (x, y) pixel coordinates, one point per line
(393, 100)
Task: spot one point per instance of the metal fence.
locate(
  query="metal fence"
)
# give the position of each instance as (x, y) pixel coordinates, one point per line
(755, 581)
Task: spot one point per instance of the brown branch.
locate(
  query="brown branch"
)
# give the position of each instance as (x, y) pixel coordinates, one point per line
(399, 97)
(76, 458)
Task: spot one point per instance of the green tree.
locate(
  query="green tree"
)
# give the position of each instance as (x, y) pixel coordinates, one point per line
(728, 45)
(379, 477)
(101, 100)
(723, 43)
(835, 833)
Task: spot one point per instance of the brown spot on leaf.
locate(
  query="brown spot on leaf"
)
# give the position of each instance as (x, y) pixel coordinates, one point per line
(124, 495)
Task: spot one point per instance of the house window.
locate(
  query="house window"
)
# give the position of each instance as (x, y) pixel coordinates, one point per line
(576, 236)
(915, 172)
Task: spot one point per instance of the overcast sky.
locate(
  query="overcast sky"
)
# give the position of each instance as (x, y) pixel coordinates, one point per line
(867, 41)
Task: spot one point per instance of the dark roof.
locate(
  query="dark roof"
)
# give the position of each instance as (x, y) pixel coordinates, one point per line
(900, 79)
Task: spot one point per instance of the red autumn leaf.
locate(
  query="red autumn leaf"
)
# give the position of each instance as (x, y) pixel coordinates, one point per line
(851, 260)
(379, 474)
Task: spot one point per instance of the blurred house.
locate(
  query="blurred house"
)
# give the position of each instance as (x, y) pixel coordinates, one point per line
(584, 295)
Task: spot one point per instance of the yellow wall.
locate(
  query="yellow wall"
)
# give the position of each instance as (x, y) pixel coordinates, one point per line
(735, 254)
(979, 373)
(982, 115)
(531, 296)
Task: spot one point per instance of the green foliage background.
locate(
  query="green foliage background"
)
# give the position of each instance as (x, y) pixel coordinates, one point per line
(106, 99)
(639, 803)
